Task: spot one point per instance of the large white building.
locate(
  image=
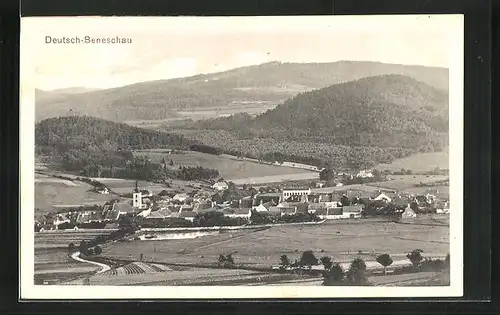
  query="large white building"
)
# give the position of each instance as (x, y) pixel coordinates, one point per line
(295, 192)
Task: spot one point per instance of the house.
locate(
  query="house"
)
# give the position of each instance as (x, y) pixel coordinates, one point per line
(159, 214)
(103, 191)
(320, 184)
(186, 215)
(146, 193)
(442, 207)
(330, 213)
(243, 213)
(60, 219)
(283, 210)
(220, 186)
(120, 208)
(408, 213)
(144, 213)
(383, 197)
(352, 212)
(89, 216)
(181, 197)
(364, 174)
(260, 208)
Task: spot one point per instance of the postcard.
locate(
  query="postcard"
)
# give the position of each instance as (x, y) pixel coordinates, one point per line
(241, 157)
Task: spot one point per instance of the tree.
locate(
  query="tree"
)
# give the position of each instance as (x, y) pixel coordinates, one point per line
(284, 261)
(230, 259)
(221, 260)
(385, 260)
(334, 276)
(98, 250)
(308, 259)
(356, 275)
(327, 174)
(327, 262)
(83, 248)
(447, 261)
(345, 201)
(415, 257)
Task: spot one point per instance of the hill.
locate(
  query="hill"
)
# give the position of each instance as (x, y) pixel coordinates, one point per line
(266, 84)
(88, 145)
(381, 111)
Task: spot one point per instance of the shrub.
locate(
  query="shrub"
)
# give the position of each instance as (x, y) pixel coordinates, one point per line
(356, 275)
(71, 247)
(334, 276)
(98, 250)
(308, 259)
(284, 261)
(326, 262)
(415, 257)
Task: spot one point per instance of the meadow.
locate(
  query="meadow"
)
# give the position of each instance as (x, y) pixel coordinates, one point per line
(229, 168)
(421, 162)
(53, 193)
(342, 241)
(402, 182)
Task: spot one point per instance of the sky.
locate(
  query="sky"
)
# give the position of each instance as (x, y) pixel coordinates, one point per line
(171, 47)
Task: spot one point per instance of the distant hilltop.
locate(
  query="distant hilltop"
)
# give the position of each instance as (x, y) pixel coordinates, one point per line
(269, 83)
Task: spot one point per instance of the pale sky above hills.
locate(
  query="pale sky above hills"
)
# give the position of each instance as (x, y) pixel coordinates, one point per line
(164, 48)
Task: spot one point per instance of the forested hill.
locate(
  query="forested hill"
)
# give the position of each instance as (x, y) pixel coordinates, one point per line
(90, 133)
(382, 111)
(267, 84)
(95, 147)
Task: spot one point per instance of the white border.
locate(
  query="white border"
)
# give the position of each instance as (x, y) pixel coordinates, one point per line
(30, 291)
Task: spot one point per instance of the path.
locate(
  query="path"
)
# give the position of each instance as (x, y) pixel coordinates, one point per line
(76, 256)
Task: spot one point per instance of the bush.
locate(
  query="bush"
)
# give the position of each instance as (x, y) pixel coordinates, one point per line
(356, 275)
(308, 259)
(98, 250)
(415, 257)
(71, 247)
(326, 262)
(334, 276)
(284, 261)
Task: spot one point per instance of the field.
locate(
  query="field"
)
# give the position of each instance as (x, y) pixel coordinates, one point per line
(52, 263)
(124, 186)
(52, 193)
(340, 240)
(419, 162)
(229, 168)
(402, 182)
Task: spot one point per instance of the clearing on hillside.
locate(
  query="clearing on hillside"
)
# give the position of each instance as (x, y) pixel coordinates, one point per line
(228, 168)
(419, 162)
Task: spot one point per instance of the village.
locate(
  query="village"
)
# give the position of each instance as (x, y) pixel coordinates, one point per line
(242, 205)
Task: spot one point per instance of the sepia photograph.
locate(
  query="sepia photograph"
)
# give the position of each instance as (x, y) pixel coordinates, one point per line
(241, 157)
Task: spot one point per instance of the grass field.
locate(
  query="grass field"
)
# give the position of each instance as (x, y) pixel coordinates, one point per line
(419, 162)
(341, 241)
(402, 182)
(51, 193)
(228, 168)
